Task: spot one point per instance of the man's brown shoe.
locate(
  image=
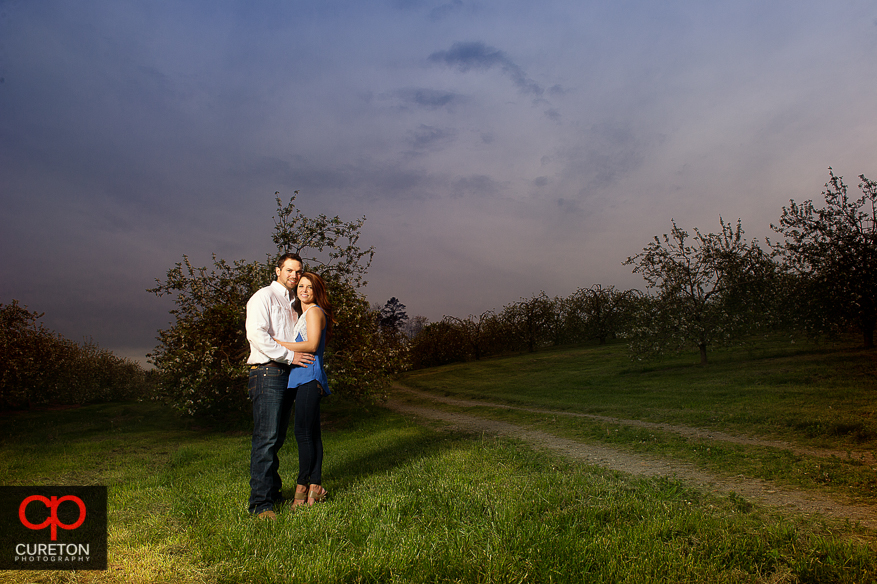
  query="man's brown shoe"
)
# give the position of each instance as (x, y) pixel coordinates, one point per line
(267, 514)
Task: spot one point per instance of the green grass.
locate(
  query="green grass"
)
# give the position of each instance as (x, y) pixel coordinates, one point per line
(811, 397)
(413, 504)
(848, 476)
(821, 396)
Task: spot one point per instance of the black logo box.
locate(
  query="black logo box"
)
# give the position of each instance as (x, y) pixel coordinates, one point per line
(29, 548)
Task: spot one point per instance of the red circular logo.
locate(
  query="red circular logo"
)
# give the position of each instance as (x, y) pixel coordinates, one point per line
(52, 520)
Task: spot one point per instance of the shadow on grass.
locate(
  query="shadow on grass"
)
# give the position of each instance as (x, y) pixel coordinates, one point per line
(81, 422)
(86, 422)
(403, 452)
(361, 442)
(101, 443)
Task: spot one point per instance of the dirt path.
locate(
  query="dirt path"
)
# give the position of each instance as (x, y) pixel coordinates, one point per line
(865, 456)
(604, 456)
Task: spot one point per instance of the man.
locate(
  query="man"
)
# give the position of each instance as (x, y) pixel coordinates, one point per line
(270, 316)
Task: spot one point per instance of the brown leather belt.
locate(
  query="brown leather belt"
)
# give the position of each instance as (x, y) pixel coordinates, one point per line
(271, 364)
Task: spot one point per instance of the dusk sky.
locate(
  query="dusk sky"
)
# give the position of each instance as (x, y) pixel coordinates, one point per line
(496, 148)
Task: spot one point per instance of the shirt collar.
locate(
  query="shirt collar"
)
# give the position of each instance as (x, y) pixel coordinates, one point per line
(280, 290)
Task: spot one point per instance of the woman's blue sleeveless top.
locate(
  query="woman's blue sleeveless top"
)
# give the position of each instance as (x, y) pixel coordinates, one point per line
(313, 372)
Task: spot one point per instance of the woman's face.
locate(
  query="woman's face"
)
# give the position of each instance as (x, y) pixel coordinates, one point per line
(305, 291)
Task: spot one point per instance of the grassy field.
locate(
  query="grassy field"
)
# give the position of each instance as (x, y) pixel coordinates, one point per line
(414, 504)
(818, 395)
(813, 398)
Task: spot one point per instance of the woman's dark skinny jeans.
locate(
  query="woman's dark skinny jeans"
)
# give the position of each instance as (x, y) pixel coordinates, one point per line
(307, 433)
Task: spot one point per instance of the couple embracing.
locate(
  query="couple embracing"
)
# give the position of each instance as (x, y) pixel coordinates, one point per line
(288, 324)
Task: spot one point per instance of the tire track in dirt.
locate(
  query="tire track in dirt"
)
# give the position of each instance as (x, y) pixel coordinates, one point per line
(757, 490)
(865, 456)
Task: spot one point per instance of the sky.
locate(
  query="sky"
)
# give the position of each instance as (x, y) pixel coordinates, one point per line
(496, 148)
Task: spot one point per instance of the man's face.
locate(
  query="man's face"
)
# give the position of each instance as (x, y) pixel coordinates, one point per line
(289, 274)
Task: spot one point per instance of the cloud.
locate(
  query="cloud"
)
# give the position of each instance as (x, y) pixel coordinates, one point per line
(429, 98)
(606, 152)
(552, 114)
(430, 138)
(477, 55)
(445, 10)
(477, 185)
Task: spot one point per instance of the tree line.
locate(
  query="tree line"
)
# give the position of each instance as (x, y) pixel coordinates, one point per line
(39, 367)
(702, 290)
(595, 314)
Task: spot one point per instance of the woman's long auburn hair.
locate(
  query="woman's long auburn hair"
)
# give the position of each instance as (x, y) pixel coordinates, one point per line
(321, 299)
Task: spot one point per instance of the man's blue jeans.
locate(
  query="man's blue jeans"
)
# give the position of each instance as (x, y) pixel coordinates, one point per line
(272, 405)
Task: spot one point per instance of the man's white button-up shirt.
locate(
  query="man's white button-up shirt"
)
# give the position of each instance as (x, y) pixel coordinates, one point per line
(270, 316)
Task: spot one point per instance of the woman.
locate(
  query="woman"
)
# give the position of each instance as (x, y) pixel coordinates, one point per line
(311, 332)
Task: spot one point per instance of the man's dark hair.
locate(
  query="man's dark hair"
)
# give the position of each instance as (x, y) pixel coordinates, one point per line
(289, 256)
